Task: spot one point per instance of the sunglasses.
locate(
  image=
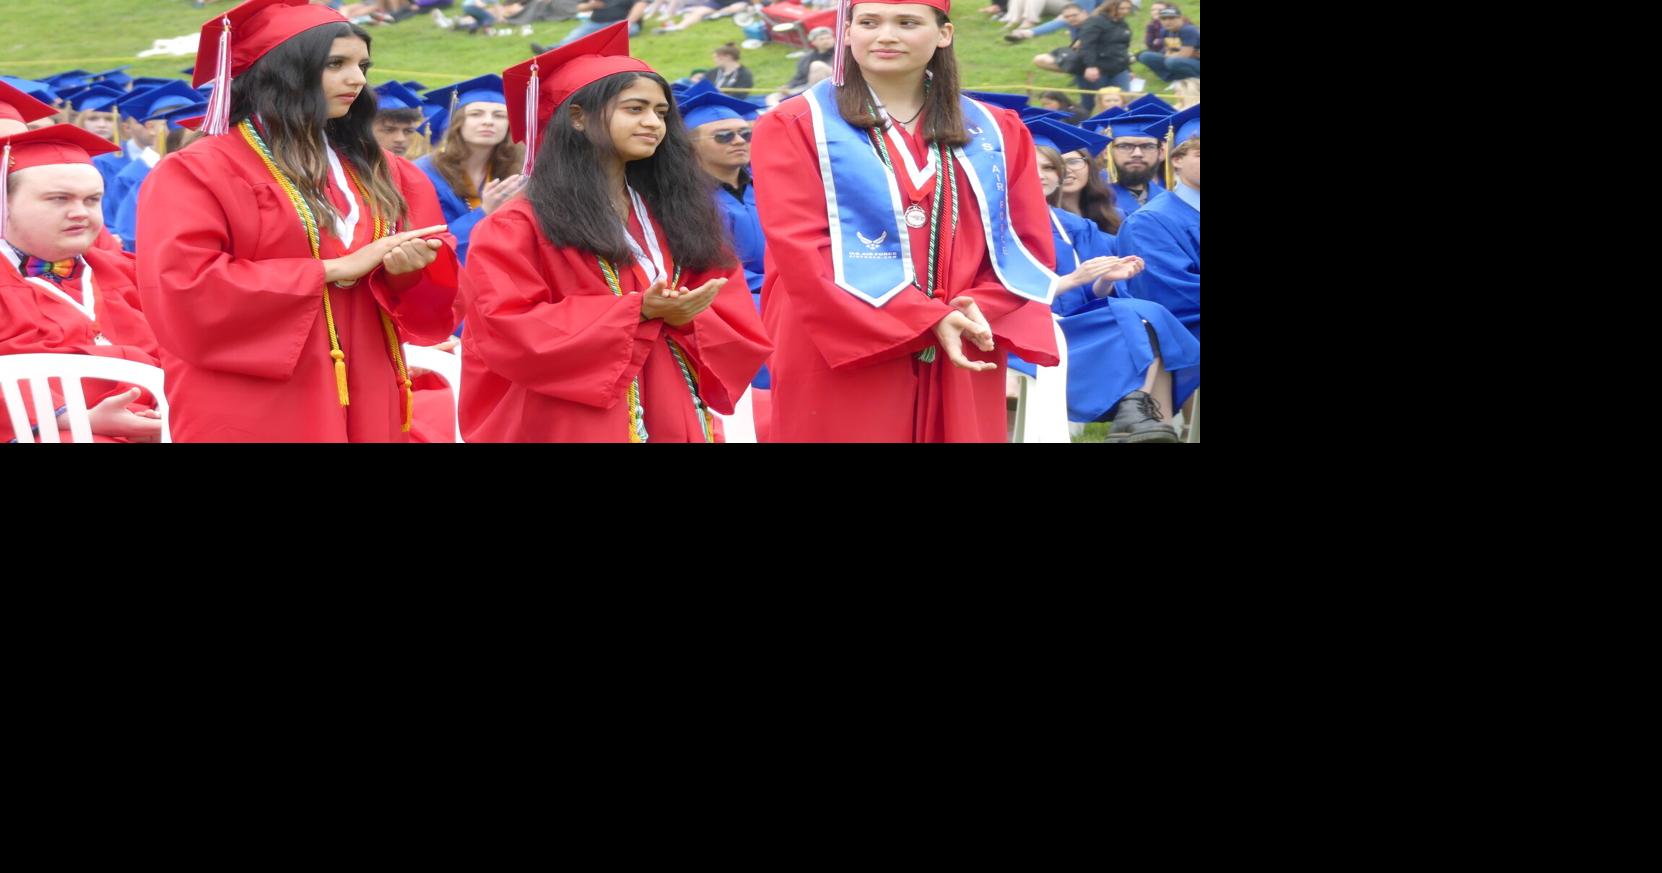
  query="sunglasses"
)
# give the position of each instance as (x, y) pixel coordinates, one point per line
(726, 136)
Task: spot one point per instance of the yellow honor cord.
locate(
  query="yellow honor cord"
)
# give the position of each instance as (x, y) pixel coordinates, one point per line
(382, 229)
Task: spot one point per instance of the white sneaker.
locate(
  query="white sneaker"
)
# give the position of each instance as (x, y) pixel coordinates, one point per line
(442, 20)
(527, 30)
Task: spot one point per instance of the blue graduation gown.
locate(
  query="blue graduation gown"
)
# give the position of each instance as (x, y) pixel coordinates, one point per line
(1166, 235)
(457, 213)
(124, 192)
(1109, 352)
(109, 166)
(1127, 200)
(744, 228)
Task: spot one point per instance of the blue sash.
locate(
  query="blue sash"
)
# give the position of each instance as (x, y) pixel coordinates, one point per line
(871, 253)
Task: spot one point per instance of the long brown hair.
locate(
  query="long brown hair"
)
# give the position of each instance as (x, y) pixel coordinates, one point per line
(943, 121)
(1096, 202)
(450, 159)
(1054, 198)
(283, 92)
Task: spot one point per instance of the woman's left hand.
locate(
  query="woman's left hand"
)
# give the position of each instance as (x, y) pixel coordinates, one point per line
(411, 256)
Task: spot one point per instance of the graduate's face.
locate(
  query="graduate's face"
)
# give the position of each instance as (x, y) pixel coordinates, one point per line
(394, 135)
(345, 74)
(889, 40)
(1135, 157)
(638, 119)
(139, 132)
(1186, 166)
(55, 211)
(717, 156)
(484, 124)
(1049, 175)
(100, 123)
(1076, 171)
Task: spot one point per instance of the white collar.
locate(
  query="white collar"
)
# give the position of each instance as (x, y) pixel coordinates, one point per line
(347, 226)
(654, 265)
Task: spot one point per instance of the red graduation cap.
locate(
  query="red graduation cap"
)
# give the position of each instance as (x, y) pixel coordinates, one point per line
(233, 40)
(18, 106)
(537, 87)
(57, 144)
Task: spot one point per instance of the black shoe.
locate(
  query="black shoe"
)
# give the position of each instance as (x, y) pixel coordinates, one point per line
(1137, 420)
(538, 48)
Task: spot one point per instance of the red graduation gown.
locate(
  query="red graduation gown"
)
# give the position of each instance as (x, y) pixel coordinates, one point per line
(236, 300)
(548, 353)
(33, 322)
(844, 369)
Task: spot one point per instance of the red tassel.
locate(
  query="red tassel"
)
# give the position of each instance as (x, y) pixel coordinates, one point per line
(5, 170)
(532, 91)
(842, 42)
(218, 118)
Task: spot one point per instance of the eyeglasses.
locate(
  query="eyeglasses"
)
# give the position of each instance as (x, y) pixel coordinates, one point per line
(1126, 148)
(726, 137)
(1075, 163)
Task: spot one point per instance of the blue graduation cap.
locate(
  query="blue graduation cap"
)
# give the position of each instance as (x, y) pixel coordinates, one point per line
(39, 90)
(1030, 113)
(487, 88)
(141, 83)
(1150, 123)
(394, 95)
(1149, 100)
(1065, 137)
(174, 114)
(415, 86)
(1186, 125)
(190, 70)
(68, 95)
(142, 104)
(70, 79)
(96, 98)
(1006, 101)
(1101, 119)
(115, 77)
(702, 103)
(436, 122)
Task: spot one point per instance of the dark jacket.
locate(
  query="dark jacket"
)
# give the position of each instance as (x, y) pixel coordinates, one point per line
(1105, 44)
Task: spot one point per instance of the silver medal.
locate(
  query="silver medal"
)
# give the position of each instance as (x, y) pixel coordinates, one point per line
(915, 216)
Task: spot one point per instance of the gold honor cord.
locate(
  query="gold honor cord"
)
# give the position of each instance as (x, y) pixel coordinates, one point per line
(382, 229)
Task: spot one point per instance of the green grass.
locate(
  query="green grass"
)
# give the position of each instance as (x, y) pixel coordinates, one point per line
(42, 37)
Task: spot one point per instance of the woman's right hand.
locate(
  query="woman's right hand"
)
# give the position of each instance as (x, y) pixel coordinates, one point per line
(358, 264)
(1092, 74)
(1089, 271)
(950, 333)
(500, 191)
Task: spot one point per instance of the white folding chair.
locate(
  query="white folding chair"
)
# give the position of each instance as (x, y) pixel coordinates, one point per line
(36, 370)
(447, 366)
(1042, 403)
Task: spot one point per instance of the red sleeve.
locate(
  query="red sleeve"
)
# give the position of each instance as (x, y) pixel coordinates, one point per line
(727, 343)
(1018, 323)
(208, 306)
(847, 331)
(421, 304)
(557, 330)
